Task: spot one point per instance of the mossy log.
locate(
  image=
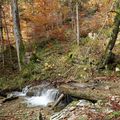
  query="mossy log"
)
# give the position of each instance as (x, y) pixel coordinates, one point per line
(89, 93)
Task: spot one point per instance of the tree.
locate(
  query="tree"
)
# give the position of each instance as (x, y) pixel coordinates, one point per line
(45, 17)
(108, 52)
(74, 11)
(74, 6)
(1, 33)
(17, 32)
(77, 22)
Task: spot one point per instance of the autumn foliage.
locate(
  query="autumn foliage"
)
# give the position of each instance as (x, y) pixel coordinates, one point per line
(45, 16)
(52, 19)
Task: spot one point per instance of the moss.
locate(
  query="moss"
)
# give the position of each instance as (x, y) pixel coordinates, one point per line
(113, 115)
(74, 103)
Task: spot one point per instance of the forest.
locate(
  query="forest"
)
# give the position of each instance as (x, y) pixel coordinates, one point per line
(59, 60)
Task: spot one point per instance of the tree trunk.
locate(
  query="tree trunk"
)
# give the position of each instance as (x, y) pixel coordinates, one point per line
(1, 34)
(77, 23)
(17, 32)
(108, 53)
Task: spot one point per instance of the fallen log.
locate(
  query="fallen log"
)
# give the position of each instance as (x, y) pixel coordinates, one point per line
(10, 99)
(85, 93)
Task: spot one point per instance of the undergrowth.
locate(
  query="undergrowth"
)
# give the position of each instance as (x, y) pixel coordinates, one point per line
(60, 60)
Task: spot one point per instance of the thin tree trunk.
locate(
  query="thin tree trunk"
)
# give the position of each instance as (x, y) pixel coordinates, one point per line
(17, 32)
(1, 34)
(114, 35)
(108, 53)
(77, 23)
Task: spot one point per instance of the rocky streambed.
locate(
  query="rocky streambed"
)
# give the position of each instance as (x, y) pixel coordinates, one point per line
(80, 102)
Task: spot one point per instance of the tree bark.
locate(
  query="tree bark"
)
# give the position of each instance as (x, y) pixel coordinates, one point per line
(91, 92)
(1, 34)
(86, 93)
(17, 32)
(77, 23)
(108, 53)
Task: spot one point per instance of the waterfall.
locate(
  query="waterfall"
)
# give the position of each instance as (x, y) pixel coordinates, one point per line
(43, 95)
(47, 96)
(23, 93)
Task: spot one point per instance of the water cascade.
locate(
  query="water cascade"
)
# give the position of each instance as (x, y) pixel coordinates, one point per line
(47, 96)
(41, 97)
(23, 93)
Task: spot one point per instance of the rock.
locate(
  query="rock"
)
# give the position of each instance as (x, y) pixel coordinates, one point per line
(30, 93)
(73, 117)
(83, 103)
(107, 87)
(72, 108)
(99, 104)
(50, 104)
(36, 90)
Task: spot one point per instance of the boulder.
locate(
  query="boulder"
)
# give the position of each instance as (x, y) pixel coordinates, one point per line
(37, 90)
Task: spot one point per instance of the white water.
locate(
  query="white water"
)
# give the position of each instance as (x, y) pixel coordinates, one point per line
(23, 93)
(46, 97)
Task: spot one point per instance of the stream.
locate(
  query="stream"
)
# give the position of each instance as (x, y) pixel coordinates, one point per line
(40, 96)
(37, 100)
